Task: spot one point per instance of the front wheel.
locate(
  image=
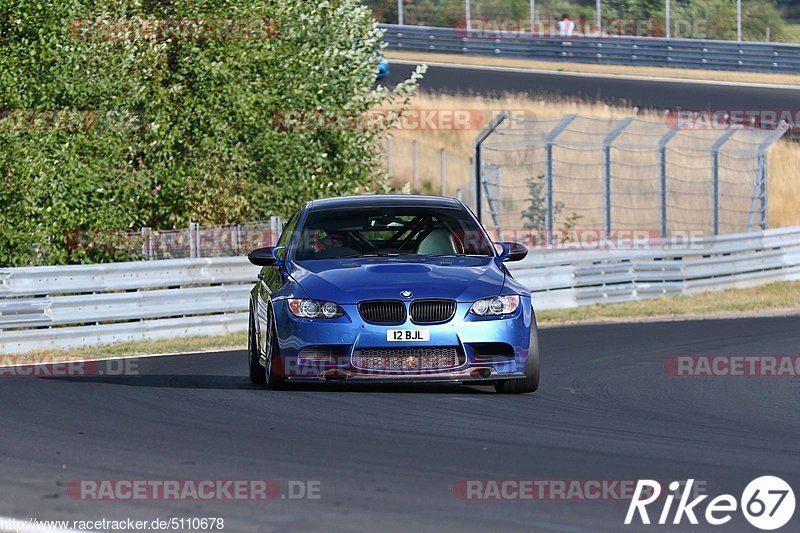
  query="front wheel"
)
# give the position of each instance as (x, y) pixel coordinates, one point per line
(258, 374)
(531, 380)
(273, 381)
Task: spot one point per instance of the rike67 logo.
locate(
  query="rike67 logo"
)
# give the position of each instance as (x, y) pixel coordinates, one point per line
(767, 503)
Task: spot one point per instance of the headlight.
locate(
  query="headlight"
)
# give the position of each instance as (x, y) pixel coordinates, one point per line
(499, 305)
(304, 308)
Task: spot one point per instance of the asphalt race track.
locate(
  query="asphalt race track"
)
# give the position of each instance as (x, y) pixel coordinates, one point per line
(643, 93)
(388, 458)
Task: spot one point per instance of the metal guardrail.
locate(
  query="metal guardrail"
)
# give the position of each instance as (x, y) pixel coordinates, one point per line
(642, 51)
(83, 305)
(73, 306)
(672, 267)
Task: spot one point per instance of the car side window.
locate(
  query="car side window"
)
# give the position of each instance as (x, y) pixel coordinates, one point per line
(286, 235)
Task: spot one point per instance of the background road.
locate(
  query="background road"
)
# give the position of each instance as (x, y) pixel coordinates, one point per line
(643, 93)
(388, 457)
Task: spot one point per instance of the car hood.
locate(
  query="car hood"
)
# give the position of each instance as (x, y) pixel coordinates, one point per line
(349, 281)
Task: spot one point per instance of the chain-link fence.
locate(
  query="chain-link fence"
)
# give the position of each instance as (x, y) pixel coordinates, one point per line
(193, 242)
(609, 175)
(417, 167)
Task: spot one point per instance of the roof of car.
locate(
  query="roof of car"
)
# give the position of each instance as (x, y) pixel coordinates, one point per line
(368, 200)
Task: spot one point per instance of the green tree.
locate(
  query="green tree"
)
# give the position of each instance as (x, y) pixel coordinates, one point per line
(174, 127)
(716, 19)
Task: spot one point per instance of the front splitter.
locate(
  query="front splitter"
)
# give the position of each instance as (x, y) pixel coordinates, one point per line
(470, 375)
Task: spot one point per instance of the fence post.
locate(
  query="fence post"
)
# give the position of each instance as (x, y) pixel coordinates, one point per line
(238, 235)
(761, 175)
(275, 229)
(763, 213)
(194, 240)
(471, 173)
(607, 142)
(147, 243)
(755, 199)
(662, 171)
(494, 173)
(414, 166)
(548, 174)
(715, 178)
(476, 149)
(443, 156)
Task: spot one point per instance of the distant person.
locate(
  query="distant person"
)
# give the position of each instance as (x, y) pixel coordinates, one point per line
(565, 26)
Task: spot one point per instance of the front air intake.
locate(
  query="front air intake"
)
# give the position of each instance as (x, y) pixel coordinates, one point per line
(407, 359)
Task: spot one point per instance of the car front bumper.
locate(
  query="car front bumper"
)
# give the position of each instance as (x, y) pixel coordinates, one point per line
(489, 349)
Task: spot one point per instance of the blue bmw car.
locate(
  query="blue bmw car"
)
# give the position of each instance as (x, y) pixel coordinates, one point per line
(390, 288)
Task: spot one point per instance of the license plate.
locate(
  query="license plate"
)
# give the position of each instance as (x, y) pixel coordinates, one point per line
(408, 335)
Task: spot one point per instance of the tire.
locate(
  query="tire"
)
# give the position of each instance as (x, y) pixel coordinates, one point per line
(258, 373)
(273, 382)
(531, 380)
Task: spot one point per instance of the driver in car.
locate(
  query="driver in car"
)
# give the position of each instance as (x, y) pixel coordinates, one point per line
(333, 239)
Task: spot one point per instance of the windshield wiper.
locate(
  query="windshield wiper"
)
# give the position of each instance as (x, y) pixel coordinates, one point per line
(458, 255)
(399, 254)
(376, 254)
(387, 254)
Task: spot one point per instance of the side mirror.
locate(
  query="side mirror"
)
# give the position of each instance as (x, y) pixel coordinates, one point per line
(512, 251)
(267, 256)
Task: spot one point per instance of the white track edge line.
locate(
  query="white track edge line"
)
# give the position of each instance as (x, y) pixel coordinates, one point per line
(115, 358)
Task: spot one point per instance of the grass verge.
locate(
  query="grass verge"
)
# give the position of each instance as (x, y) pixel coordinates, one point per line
(775, 297)
(612, 70)
(783, 296)
(181, 345)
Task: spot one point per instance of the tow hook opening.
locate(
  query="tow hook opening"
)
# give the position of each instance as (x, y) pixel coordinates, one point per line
(334, 374)
(481, 373)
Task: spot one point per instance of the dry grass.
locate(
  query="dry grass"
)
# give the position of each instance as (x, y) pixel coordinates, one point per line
(784, 160)
(784, 184)
(187, 345)
(616, 70)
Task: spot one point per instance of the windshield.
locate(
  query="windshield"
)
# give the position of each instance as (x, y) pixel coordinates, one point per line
(390, 231)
